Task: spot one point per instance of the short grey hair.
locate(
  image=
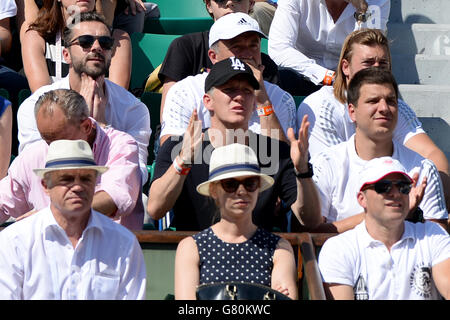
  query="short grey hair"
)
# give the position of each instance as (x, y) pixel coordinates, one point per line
(69, 101)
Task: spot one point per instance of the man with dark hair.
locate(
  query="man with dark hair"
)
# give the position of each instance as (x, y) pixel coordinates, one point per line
(183, 162)
(87, 50)
(373, 108)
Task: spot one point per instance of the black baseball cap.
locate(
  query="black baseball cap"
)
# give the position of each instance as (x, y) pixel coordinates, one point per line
(224, 70)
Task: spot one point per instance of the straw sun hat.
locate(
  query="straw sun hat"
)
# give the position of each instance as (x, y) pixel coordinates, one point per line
(233, 161)
(69, 154)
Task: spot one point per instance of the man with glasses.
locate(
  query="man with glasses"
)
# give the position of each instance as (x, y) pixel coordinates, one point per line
(183, 162)
(88, 52)
(373, 107)
(385, 257)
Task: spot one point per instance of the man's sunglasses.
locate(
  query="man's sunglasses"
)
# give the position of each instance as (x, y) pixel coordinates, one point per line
(384, 186)
(231, 185)
(86, 41)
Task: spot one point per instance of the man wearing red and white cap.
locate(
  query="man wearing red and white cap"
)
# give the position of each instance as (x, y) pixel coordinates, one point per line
(386, 257)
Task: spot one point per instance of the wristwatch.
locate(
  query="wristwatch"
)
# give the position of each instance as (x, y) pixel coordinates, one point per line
(304, 175)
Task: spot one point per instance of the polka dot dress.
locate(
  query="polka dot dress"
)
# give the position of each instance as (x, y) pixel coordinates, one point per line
(249, 261)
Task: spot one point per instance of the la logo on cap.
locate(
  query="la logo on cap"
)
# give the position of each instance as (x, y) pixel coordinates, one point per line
(236, 64)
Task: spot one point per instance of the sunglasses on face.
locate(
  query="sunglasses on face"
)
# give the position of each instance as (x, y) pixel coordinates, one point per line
(86, 41)
(231, 185)
(384, 186)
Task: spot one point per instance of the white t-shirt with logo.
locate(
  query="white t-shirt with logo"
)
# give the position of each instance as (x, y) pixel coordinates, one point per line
(354, 258)
(330, 122)
(187, 94)
(336, 174)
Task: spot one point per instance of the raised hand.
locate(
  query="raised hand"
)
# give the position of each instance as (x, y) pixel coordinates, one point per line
(299, 147)
(192, 139)
(417, 191)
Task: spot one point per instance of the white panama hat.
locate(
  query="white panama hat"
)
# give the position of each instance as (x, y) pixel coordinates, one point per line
(378, 168)
(232, 161)
(69, 154)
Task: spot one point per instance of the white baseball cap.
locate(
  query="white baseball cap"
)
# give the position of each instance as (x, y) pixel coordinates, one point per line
(378, 168)
(232, 161)
(69, 154)
(231, 25)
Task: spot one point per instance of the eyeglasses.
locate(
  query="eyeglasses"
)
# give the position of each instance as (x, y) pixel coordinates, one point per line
(86, 41)
(231, 185)
(384, 186)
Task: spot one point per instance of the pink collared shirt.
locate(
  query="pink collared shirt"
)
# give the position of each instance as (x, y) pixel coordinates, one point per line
(21, 190)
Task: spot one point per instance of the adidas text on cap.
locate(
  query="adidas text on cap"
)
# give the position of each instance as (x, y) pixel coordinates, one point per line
(231, 25)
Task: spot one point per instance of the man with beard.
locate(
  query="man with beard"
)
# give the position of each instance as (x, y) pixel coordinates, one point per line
(87, 50)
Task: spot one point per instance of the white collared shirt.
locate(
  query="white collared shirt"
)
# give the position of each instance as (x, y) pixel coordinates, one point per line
(354, 258)
(38, 261)
(304, 37)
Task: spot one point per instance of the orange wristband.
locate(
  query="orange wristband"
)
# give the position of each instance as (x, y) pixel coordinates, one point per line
(264, 111)
(179, 169)
(329, 76)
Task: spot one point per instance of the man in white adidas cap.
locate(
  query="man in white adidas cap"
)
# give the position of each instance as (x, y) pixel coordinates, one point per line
(68, 250)
(239, 35)
(386, 257)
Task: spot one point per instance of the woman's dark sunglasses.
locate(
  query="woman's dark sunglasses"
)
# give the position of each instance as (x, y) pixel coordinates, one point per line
(231, 185)
(384, 186)
(86, 41)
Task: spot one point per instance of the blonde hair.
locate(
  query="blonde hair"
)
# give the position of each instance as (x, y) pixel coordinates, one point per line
(367, 37)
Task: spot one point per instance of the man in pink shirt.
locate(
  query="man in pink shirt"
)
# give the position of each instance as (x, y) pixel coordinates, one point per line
(63, 114)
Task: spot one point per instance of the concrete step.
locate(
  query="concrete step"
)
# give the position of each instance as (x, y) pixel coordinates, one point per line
(421, 69)
(418, 38)
(420, 11)
(432, 106)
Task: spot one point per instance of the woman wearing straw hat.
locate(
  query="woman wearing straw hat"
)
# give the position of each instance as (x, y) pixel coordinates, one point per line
(234, 249)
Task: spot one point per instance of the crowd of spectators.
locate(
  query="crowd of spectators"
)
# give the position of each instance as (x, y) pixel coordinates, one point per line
(236, 158)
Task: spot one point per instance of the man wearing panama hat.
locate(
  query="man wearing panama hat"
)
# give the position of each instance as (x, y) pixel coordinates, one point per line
(182, 165)
(68, 250)
(64, 114)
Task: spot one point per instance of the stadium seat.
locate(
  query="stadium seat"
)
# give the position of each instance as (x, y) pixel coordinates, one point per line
(185, 16)
(149, 51)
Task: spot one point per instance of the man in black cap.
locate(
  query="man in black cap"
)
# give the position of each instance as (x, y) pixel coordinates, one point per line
(183, 163)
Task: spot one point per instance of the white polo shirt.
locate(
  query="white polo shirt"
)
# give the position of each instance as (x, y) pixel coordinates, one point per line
(38, 261)
(304, 37)
(354, 258)
(330, 122)
(336, 174)
(186, 95)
